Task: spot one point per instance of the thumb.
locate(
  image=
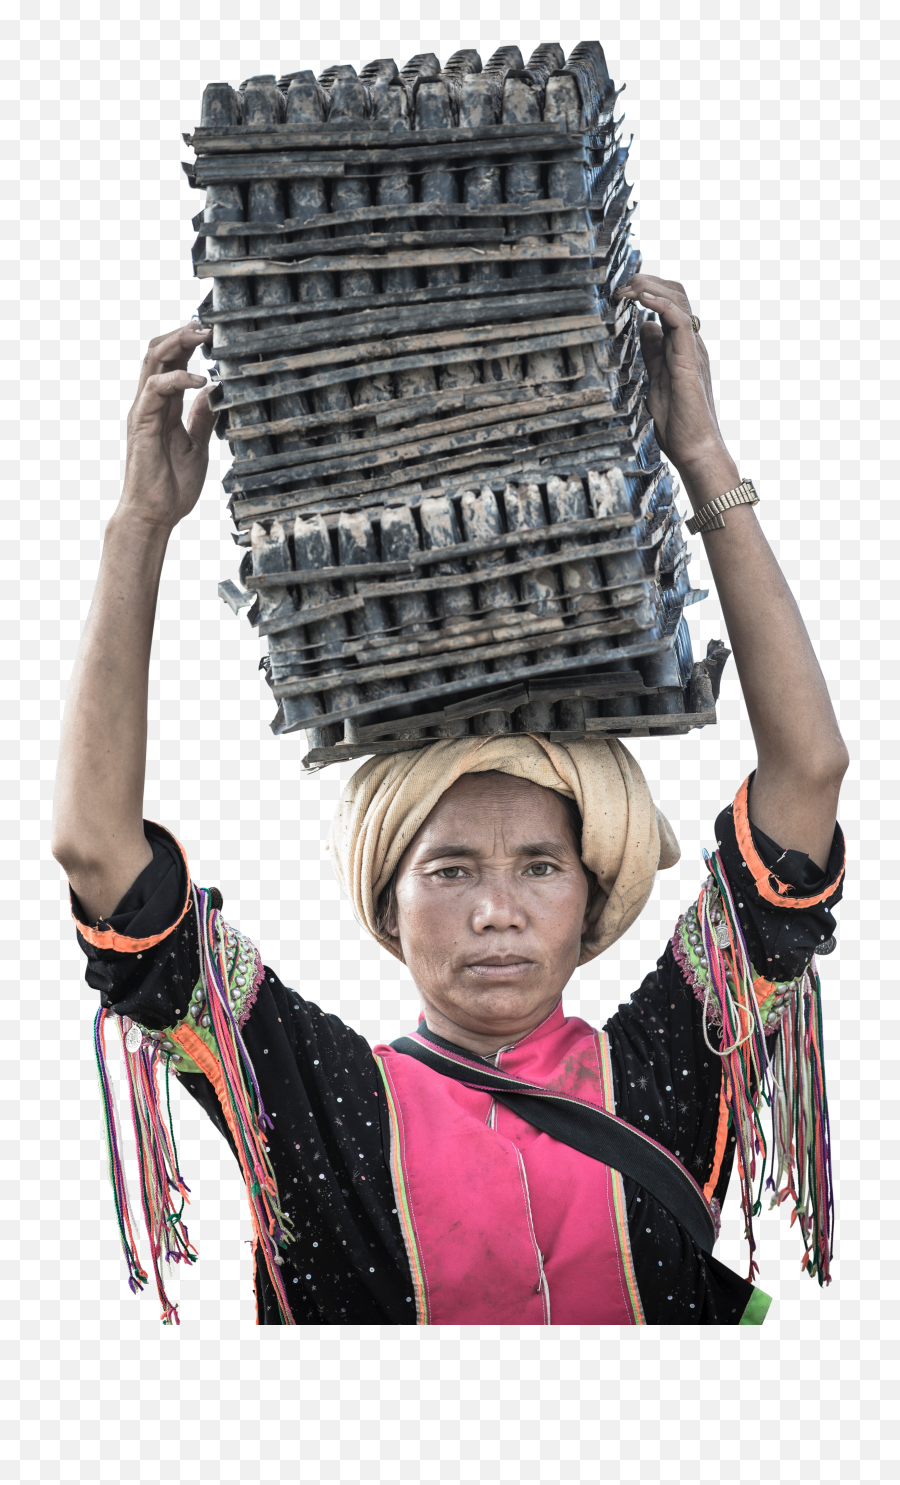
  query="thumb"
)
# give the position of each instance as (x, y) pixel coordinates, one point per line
(201, 420)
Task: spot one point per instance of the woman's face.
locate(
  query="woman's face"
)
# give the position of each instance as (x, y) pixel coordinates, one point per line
(491, 904)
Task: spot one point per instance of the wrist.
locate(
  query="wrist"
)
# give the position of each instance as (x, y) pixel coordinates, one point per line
(135, 549)
(138, 528)
(708, 474)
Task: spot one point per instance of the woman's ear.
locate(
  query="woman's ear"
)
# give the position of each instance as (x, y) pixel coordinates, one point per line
(595, 895)
(386, 920)
(390, 927)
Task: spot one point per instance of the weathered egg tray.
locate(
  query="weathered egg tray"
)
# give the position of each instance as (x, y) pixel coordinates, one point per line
(551, 604)
(417, 347)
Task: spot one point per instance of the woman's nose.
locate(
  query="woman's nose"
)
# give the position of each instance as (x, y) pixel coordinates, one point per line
(499, 909)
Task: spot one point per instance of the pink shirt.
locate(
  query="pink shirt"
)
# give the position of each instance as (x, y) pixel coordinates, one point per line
(504, 1225)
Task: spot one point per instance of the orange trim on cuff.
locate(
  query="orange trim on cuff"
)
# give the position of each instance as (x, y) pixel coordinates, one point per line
(762, 875)
(108, 938)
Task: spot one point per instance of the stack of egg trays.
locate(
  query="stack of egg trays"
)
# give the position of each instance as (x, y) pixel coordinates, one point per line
(550, 604)
(488, 224)
(461, 316)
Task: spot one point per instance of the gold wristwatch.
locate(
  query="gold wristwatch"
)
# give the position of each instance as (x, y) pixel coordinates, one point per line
(709, 516)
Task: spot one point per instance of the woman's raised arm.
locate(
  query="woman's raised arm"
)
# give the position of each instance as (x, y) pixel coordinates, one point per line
(98, 834)
(802, 757)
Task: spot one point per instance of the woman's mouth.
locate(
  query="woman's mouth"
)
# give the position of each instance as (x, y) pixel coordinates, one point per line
(496, 967)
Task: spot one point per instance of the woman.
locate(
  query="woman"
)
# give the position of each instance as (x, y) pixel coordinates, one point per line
(387, 1188)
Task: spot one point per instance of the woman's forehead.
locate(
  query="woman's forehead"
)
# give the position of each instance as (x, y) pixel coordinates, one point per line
(476, 805)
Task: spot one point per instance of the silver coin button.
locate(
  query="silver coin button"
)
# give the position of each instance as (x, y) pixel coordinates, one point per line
(134, 1039)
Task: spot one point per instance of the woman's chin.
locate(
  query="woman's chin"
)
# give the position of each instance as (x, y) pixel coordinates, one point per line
(497, 1008)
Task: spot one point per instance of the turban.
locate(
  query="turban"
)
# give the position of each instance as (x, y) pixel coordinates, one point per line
(625, 838)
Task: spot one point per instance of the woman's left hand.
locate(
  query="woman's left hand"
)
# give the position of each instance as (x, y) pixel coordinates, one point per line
(680, 398)
(802, 757)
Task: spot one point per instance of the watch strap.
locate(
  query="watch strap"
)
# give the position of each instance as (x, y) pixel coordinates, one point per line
(710, 515)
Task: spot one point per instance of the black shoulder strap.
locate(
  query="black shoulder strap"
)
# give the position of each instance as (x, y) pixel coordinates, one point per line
(593, 1131)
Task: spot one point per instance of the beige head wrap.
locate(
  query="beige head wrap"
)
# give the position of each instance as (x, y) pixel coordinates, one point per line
(625, 838)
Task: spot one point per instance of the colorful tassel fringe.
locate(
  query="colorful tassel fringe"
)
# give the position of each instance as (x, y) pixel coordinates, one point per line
(802, 1131)
(162, 1184)
(794, 1087)
(160, 1177)
(248, 1116)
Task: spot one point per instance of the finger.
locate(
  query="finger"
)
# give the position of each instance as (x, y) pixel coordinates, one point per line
(201, 420)
(675, 320)
(653, 350)
(650, 281)
(172, 351)
(668, 287)
(163, 394)
(629, 290)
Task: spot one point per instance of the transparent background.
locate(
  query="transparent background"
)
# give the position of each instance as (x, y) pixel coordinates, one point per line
(761, 175)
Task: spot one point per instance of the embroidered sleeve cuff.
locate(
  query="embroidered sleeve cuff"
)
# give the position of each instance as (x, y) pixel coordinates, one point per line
(145, 916)
(772, 887)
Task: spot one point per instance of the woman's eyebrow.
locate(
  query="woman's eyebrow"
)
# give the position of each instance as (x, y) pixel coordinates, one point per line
(440, 851)
(556, 848)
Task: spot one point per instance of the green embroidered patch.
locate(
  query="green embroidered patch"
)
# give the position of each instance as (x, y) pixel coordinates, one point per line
(244, 969)
(691, 952)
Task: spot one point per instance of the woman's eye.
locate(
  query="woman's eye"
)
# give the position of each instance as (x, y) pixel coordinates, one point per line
(450, 873)
(541, 868)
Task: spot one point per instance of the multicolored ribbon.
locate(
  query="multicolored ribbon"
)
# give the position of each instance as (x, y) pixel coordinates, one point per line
(248, 1116)
(801, 1157)
(163, 1189)
(793, 1085)
(161, 1180)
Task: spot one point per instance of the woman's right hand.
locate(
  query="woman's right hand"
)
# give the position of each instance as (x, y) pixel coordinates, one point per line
(166, 460)
(98, 832)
